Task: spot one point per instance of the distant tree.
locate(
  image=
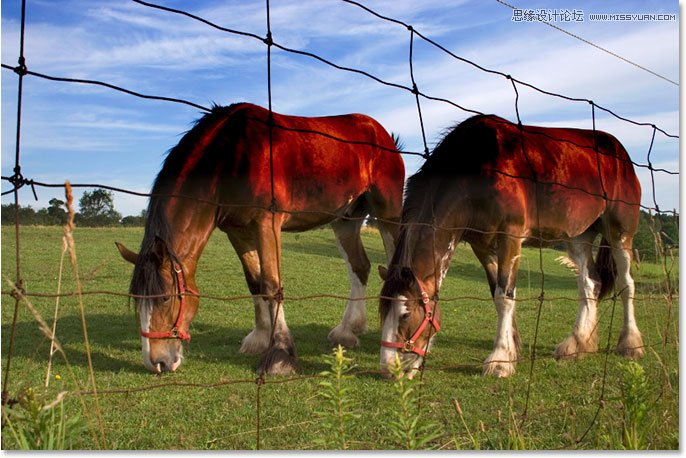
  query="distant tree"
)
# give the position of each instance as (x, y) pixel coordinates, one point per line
(27, 215)
(135, 221)
(57, 213)
(97, 209)
(664, 224)
(8, 214)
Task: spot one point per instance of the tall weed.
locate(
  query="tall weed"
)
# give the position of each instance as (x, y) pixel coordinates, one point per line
(35, 424)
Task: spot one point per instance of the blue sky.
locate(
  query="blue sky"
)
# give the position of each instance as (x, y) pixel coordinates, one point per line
(89, 134)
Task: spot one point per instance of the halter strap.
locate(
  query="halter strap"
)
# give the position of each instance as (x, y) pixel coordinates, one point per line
(175, 332)
(408, 346)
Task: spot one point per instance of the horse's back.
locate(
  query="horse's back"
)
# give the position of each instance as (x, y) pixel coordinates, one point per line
(311, 164)
(557, 180)
(573, 176)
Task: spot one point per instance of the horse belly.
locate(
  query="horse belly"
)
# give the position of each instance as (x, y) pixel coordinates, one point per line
(316, 210)
(565, 215)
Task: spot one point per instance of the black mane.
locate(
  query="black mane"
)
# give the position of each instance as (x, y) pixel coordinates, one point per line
(147, 280)
(462, 151)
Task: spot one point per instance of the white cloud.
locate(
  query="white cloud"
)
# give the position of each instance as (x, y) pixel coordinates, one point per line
(163, 53)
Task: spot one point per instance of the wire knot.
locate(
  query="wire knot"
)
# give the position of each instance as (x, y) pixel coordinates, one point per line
(18, 291)
(18, 181)
(268, 40)
(415, 90)
(278, 296)
(426, 153)
(21, 69)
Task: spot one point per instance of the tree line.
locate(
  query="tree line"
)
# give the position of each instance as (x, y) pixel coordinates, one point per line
(96, 209)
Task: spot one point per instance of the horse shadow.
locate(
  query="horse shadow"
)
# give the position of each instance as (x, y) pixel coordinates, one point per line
(107, 334)
(115, 345)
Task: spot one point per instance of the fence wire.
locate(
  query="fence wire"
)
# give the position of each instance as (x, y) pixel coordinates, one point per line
(17, 180)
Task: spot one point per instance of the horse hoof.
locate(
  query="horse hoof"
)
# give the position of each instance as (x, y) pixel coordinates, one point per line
(343, 337)
(255, 343)
(498, 369)
(278, 362)
(573, 348)
(359, 328)
(630, 345)
(500, 363)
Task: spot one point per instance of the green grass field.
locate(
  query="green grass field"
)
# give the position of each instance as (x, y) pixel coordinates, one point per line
(198, 408)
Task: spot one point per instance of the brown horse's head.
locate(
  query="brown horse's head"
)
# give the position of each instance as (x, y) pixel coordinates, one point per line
(166, 303)
(409, 319)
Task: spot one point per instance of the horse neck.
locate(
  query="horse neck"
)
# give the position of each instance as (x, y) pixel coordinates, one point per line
(427, 250)
(185, 225)
(432, 226)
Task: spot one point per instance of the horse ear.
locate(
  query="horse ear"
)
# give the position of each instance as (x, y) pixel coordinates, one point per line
(383, 272)
(159, 250)
(126, 253)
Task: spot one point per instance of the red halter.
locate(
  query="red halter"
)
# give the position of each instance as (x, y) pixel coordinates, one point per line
(175, 332)
(429, 318)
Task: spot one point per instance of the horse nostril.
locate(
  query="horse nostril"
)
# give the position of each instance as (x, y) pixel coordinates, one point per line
(166, 364)
(161, 365)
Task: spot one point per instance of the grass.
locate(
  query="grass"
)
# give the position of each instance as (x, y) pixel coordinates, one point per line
(199, 408)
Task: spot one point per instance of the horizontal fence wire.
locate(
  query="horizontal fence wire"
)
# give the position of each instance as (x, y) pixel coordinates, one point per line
(17, 180)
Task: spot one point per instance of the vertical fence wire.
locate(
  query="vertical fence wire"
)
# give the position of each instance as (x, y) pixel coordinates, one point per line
(651, 168)
(597, 153)
(541, 297)
(415, 91)
(603, 380)
(21, 71)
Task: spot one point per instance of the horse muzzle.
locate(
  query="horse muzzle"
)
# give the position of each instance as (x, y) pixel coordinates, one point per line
(162, 355)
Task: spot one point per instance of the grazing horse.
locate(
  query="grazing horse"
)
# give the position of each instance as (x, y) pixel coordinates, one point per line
(494, 186)
(224, 173)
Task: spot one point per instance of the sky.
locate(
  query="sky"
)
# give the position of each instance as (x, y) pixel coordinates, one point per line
(89, 134)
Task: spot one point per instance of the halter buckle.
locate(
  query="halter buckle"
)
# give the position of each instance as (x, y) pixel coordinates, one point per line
(408, 346)
(174, 333)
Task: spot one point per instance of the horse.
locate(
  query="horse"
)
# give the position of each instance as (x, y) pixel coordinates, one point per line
(254, 173)
(495, 184)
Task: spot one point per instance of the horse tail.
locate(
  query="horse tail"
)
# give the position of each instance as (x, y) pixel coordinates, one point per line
(605, 266)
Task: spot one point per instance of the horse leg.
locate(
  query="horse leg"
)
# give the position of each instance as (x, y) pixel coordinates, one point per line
(584, 336)
(386, 209)
(501, 362)
(280, 357)
(489, 261)
(354, 320)
(245, 244)
(389, 235)
(630, 342)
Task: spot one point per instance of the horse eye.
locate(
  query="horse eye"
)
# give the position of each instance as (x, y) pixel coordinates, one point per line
(166, 299)
(404, 316)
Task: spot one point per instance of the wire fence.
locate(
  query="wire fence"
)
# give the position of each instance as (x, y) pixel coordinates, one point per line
(17, 180)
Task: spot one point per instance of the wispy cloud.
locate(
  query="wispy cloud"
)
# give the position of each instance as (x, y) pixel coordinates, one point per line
(161, 53)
